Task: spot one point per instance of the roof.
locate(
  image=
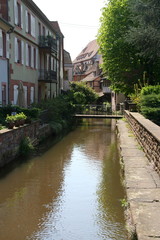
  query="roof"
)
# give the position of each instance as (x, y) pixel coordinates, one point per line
(89, 78)
(67, 58)
(88, 52)
(55, 25)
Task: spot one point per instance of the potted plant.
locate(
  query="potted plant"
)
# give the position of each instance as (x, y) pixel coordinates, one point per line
(20, 119)
(10, 120)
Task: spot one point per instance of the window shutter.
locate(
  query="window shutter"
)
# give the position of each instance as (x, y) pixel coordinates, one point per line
(33, 26)
(51, 63)
(25, 93)
(32, 95)
(15, 12)
(16, 49)
(22, 51)
(26, 21)
(26, 54)
(32, 57)
(7, 46)
(1, 43)
(15, 95)
(36, 58)
(21, 16)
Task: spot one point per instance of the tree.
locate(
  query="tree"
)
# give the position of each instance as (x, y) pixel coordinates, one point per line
(82, 94)
(120, 62)
(145, 35)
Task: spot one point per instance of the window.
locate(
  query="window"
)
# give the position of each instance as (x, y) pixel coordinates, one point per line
(19, 53)
(4, 44)
(39, 28)
(18, 14)
(34, 55)
(44, 31)
(29, 55)
(29, 23)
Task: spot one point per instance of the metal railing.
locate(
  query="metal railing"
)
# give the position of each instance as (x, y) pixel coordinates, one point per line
(46, 75)
(93, 109)
(48, 42)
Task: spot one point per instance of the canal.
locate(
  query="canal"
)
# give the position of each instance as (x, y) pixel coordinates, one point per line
(70, 192)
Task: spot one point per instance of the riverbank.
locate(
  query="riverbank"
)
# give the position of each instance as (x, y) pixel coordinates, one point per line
(142, 184)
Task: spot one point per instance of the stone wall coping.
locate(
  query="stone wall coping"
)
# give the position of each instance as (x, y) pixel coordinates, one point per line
(151, 127)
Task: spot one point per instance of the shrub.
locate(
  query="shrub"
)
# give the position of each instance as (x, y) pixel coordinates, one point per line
(150, 90)
(150, 103)
(26, 147)
(152, 100)
(151, 113)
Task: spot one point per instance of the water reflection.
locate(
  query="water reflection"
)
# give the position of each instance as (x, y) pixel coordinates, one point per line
(72, 192)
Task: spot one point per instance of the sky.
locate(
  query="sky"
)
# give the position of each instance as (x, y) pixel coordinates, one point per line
(78, 20)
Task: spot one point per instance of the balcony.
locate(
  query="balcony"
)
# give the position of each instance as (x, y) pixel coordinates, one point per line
(47, 76)
(48, 43)
(106, 90)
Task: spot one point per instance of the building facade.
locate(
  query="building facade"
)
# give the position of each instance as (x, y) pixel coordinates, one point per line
(35, 52)
(68, 70)
(5, 28)
(87, 69)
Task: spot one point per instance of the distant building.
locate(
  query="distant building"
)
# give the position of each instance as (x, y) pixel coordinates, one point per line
(68, 70)
(87, 69)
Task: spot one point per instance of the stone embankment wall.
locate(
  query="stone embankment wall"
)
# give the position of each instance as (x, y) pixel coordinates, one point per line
(10, 139)
(148, 136)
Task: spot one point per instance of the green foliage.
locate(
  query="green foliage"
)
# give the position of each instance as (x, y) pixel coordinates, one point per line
(120, 62)
(32, 113)
(151, 100)
(124, 203)
(151, 113)
(150, 90)
(150, 103)
(81, 94)
(26, 147)
(10, 118)
(20, 116)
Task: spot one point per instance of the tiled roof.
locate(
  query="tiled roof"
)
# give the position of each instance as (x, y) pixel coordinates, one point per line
(56, 27)
(89, 78)
(88, 52)
(67, 58)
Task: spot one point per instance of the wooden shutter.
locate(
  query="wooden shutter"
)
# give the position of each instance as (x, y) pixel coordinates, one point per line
(32, 57)
(21, 16)
(15, 12)
(7, 45)
(22, 52)
(26, 21)
(15, 49)
(15, 95)
(32, 95)
(33, 26)
(1, 43)
(26, 54)
(37, 58)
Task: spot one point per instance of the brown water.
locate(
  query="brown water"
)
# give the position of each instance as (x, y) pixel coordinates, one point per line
(71, 192)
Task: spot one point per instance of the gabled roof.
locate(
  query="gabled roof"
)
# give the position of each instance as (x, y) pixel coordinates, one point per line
(55, 25)
(88, 52)
(67, 58)
(89, 78)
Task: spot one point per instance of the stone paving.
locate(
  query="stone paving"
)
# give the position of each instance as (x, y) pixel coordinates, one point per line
(142, 186)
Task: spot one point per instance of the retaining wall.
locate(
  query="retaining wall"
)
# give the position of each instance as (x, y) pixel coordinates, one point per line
(148, 135)
(10, 139)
